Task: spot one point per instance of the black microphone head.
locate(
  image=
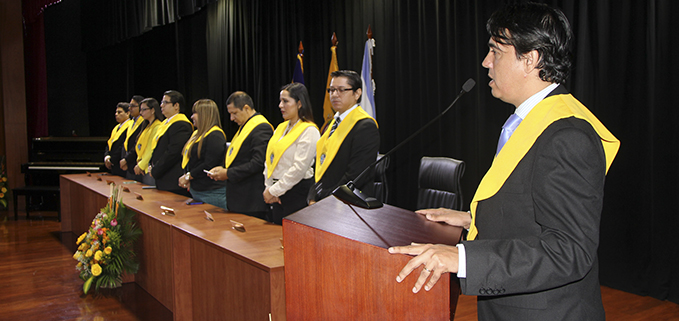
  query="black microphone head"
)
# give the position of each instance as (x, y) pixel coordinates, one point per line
(468, 85)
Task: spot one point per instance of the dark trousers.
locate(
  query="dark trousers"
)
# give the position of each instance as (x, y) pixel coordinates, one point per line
(292, 201)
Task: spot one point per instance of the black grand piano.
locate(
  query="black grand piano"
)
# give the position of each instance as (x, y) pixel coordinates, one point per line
(53, 156)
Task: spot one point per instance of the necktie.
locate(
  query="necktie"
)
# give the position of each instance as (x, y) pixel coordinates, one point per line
(334, 126)
(507, 130)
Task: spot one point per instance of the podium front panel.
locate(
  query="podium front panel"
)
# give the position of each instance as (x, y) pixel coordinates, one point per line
(337, 266)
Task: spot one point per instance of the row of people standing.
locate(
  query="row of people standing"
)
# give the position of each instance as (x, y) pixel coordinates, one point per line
(263, 173)
(147, 146)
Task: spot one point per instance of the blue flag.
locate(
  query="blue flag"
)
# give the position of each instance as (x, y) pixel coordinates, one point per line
(368, 96)
(298, 75)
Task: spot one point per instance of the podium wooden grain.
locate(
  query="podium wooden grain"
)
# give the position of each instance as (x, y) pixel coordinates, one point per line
(198, 269)
(337, 266)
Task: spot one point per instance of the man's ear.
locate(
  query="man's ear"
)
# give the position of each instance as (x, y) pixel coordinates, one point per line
(358, 93)
(530, 61)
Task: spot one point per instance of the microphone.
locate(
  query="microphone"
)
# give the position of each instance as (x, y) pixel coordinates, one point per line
(349, 194)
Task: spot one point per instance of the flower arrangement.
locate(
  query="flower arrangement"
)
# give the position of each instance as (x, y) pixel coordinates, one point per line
(106, 250)
(3, 183)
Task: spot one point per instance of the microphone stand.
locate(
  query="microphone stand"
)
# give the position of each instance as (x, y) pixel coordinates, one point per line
(349, 194)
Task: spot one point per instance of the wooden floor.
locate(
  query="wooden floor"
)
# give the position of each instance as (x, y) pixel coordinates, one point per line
(38, 281)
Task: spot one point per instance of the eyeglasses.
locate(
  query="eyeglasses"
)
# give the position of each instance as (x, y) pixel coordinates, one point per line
(165, 102)
(340, 90)
(134, 106)
(144, 109)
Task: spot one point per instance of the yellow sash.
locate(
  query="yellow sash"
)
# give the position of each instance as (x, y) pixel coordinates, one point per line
(326, 148)
(543, 114)
(132, 129)
(241, 135)
(166, 124)
(117, 131)
(191, 142)
(278, 146)
(143, 144)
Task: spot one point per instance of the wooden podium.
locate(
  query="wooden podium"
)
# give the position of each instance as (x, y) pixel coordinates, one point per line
(337, 266)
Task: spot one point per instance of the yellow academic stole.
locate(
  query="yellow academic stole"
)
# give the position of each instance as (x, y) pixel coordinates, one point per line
(143, 142)
(543, 114)
(326, 148)
(278, 146)
(241, 135)
(132, 129)
(116, 132)
(193, 140)
(163, 128)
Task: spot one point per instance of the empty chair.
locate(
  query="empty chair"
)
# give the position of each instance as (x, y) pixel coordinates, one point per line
(381, 187)
(439, 183)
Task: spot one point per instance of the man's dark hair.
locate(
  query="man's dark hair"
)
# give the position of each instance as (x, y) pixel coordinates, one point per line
(124, 106)
(298, 92)
(352, 77)
(176, 97)
(533, 26)
(240, 99)
(138, 99)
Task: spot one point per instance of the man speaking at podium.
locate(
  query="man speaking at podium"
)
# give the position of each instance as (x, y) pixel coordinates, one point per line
(531, 251)
(350, 144)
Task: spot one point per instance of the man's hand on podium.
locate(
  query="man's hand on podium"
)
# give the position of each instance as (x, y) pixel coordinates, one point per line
(435, 259)
(448, 216)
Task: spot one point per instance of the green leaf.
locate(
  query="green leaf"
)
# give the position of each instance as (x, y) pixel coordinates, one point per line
(87, 284)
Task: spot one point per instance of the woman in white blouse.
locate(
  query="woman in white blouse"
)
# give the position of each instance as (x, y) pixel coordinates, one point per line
(288, 170)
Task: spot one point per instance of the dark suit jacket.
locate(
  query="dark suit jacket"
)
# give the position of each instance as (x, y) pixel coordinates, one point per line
(131, 155)
(245, 185)
(535, 257)
(116, 152)
(211, 154)
(357, 152)
(167, 157)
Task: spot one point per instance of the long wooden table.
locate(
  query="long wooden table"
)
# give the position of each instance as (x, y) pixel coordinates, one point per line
(200, 270)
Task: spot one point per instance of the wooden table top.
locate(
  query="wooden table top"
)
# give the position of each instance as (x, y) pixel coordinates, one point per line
(259, 245)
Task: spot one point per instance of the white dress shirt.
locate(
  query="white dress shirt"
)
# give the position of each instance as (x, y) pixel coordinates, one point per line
(295, 164)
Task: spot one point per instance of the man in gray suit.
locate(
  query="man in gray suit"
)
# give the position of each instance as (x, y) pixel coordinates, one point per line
(531, 250)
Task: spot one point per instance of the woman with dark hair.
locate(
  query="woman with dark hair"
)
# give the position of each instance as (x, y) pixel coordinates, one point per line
(205, 150)
(150, 111)
(288, 170)
(114, 149)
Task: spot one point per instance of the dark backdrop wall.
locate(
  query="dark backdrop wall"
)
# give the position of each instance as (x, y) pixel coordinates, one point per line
(425, 51)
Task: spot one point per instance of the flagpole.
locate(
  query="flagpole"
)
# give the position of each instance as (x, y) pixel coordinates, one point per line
(369, 33)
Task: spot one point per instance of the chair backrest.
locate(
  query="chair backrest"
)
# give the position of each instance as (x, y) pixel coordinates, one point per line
(439, 183)
(381, 186)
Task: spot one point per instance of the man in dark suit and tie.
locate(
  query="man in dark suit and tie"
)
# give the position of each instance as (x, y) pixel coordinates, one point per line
(350, 145)
(166, 160)
(244, 163)
(531, 250)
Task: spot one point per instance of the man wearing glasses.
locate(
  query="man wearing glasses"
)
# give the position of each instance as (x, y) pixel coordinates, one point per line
(167, 146)
(350, 144)
(129, 159)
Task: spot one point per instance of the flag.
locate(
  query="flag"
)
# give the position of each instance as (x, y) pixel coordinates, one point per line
(368, 96)
(298, 74)
(328, 112)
